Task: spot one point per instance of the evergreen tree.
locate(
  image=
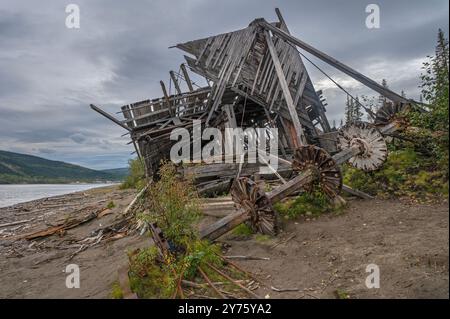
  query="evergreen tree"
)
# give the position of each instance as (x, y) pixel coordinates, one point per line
(382, 99)
(357, 112)
(435, 84)
(435, 122)
(349, 110)
(371, 105)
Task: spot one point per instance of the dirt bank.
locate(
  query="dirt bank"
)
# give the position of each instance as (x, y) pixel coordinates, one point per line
(328, 256)
(322, 257)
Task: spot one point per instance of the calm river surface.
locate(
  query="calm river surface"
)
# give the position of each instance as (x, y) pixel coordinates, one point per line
(14, 194)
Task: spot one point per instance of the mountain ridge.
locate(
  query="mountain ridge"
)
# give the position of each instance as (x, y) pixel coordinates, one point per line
(17, 168)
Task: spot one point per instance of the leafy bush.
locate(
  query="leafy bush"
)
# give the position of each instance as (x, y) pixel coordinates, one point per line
(199, 254)
(136, 175)
(150, 278)
(173, 205)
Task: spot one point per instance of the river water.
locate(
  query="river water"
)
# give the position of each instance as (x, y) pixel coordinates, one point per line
(14, 194)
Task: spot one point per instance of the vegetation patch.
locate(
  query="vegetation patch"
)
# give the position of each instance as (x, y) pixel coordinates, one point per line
(307, 204)
(243, 230)
(111, 205)
(136, 175)
(172, 205)
(417, 164)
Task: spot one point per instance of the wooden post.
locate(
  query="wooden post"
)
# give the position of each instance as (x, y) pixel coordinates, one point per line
(356, 192)
(175, 82)
(301, 139)
(224, 225)
(166, 97)
(110, 117)
(186, 77)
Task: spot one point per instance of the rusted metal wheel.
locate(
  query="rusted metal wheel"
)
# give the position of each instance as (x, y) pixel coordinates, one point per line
(371, 142)
(330, 180)
(249, 197)
(390, 112)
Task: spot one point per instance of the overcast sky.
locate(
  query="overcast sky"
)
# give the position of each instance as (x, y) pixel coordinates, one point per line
(49, 74)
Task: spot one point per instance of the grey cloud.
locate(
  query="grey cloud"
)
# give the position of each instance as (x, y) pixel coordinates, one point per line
(78, 138)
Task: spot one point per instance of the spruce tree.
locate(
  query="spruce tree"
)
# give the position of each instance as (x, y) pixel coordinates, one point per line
(382, 99)
(357, 112)
(435, 84)
(349, 110)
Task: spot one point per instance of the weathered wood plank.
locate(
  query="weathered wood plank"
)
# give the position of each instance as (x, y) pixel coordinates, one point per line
(287, 94)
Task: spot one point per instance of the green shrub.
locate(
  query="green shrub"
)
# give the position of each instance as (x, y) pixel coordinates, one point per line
(149, 277)
(199, 253)
(136, 175)
(173, 204)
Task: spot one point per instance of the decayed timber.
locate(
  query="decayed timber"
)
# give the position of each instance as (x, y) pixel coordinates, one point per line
(356, 192)
(224, 225)
(303, 179)
(287, 94)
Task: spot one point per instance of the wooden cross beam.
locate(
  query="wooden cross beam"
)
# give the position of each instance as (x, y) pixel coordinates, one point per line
(166, 97)
(175, 82)
(186, 77)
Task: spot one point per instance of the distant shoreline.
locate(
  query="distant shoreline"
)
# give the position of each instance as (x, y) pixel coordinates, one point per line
(19, 194)
(64, 183)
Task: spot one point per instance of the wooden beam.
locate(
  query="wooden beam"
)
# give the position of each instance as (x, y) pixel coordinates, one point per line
(186, 77)
(356, 192)
(175, 82)
(224, 225)
(333, 62)
(110, 117)
(166, 97)
(301, 139)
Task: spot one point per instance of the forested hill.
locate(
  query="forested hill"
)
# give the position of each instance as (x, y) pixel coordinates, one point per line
(18, 168)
